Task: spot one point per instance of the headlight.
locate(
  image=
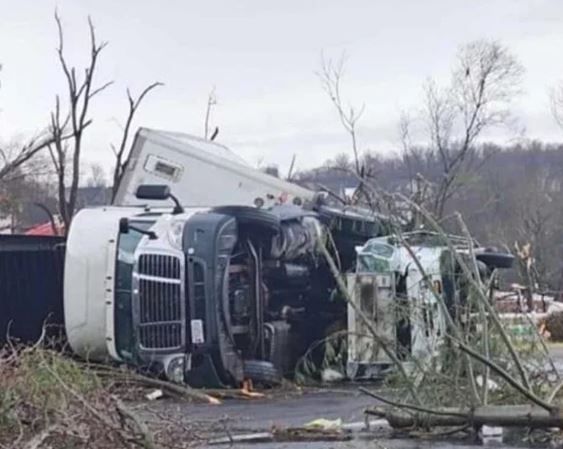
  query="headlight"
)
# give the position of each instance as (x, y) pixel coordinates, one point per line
(175, 233)
(175, 369)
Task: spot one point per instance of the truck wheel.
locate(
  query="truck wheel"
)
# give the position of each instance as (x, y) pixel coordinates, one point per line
(262, 372)
(252, 217)
(496, 260)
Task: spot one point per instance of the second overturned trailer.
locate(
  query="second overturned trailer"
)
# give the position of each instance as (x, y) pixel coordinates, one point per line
(398, 283)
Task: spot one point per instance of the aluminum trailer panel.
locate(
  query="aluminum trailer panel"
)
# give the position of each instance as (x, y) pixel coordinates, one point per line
(199, 173)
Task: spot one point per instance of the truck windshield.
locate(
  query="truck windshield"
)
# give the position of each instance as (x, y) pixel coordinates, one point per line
(127, 244)
(375, 258)
(368, 263)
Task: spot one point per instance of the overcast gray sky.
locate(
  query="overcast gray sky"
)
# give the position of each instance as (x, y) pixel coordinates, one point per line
(262, 56)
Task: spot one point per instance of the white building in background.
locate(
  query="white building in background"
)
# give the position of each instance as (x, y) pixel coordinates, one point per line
(6, 224)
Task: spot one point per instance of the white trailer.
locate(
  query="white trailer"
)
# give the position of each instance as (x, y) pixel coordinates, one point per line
(200, 173)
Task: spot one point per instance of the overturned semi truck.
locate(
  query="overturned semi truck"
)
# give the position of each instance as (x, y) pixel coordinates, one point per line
(209, 272)
(187, 277)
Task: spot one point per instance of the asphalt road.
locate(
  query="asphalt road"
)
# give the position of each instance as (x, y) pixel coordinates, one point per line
(295, 408)
(282, 409)
(290, 409)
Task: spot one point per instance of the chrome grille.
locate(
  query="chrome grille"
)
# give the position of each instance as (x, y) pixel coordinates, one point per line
(160, 301)
(160, 265)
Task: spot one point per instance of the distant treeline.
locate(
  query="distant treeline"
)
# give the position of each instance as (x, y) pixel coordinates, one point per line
(507, 195)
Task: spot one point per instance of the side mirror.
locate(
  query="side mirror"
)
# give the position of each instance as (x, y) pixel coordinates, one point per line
(124, 225)
(158, 192)
(153, 192)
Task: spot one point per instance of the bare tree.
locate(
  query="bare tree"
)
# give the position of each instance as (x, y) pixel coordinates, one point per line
(330, 75)
(556, 99)
(97, 176)
(485, 79)
(66, 154)
(120, 152)
(341, 162)
(211, 103)
(406, 144)
(413, 158)
(24, 185)
(290, 171)
(13, 158)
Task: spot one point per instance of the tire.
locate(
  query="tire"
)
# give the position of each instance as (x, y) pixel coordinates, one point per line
(496, 260)
(262, 372)
(252, 217)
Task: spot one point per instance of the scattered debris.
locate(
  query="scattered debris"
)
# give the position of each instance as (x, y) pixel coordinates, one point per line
(255, 437)
(324, 424)
(491, 435)
(155, 394)
(180, 391)
(330, 375)
(492, 386)
(321, 429)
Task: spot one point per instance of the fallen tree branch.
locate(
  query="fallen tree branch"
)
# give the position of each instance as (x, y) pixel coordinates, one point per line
(554, 392)
(545, 349)
(93, 411)
(172, 389)
(416, 408)
(506, 376)
(450, 323)
(485, 301)
(37, 440)
(126, 412)
(467, 273)
(482, 315)
(79, 398)
(489, 415)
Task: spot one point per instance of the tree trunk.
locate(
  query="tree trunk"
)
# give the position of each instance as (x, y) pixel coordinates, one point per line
(502, 416)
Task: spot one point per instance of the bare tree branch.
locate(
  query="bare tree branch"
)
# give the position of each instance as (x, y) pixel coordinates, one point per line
(330, 75)
(120, 152)
(485, 79)
(291, 167)
(211, 102)
(24, 154)
(556, 102)
(66, 157)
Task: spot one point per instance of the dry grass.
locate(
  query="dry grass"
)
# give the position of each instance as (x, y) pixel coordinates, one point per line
(48, 400)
